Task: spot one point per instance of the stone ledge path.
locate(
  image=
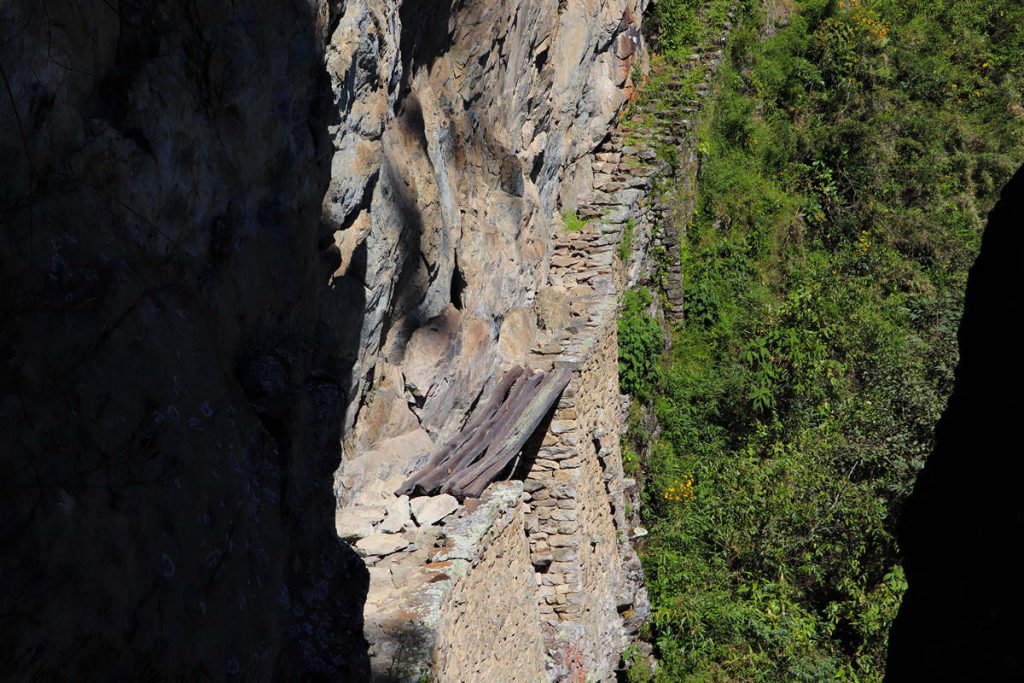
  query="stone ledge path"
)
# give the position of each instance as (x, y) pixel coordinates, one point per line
(590, 595)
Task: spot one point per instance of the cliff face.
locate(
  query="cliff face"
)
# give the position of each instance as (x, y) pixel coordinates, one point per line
(477, 126)
(172, 394)
(467, 125)
(960, 617)
(241, 244)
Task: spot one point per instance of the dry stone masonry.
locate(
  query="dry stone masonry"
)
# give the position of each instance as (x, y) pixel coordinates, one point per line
(298, 245)
(537, 579)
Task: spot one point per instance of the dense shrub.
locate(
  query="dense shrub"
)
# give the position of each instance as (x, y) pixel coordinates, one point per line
(674, 25)
(640, 345)
(847, 166)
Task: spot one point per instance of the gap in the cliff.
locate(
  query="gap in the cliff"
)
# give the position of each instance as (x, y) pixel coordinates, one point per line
(458, 287)
(425, 37)
(538, 166)
(528, 455)
(411, 116)
(540, 60)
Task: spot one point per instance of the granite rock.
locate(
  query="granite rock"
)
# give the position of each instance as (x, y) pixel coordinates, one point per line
(428, 510)
(382, 544)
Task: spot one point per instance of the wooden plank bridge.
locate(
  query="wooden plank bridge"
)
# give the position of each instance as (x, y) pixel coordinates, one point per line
(493, 437)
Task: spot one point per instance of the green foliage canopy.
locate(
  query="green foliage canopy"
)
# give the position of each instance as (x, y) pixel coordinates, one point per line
(847, 166)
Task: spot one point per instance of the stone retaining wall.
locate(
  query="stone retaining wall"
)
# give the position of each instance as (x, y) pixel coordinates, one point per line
(490, 628)
(579, 546)
(464, 609)
(538, 579)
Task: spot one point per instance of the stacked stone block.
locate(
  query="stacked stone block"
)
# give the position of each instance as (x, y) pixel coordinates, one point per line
(490, 627)
(539, 580)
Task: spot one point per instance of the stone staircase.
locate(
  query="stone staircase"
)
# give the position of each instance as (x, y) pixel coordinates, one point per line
(647, 169)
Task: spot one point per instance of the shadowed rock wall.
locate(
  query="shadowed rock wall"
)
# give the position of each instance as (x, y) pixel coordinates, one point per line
(960, 617)
(171, 392)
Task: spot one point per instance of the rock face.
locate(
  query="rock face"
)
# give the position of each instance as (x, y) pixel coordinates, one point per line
(572, 595)
(488, 135)
(960, 617)
(472, 118)
(247, 244)
(172, 390)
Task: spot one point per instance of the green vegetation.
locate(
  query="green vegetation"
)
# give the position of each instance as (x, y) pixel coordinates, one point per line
(640, 344)
(676, 26)
(626, 245)
(847, 168)
(676, 30)
(572, 222)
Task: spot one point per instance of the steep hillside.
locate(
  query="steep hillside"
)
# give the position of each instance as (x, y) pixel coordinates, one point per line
(846, 169)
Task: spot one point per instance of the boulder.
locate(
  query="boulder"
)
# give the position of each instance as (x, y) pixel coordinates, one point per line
(432, 509)
(380, 544)
(357, 522)
(398, 516)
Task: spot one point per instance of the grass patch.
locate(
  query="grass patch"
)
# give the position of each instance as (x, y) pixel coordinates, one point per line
(572, 222)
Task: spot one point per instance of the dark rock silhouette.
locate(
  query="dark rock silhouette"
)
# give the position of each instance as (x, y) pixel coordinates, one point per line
(962, 618)
(174, 360)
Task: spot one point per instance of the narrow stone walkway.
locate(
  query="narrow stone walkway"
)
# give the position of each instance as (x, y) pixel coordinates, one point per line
(575, 572)
(576, 493)
(645, 174)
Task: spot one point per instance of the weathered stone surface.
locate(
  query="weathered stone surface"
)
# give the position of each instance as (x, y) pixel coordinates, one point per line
(382, 544)
(357, 522)
(372, 477)
(398, 516)
(403, 572)
(429, 536)
(426, 351)
(386, 414)
(430, 510)
(518, 331)
(552, 307)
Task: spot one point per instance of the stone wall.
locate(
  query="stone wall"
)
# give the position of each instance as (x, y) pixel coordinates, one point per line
(578, 545)
(587, 571)
(460, 600)
(543, 582)
(490, 628)
(592, 598)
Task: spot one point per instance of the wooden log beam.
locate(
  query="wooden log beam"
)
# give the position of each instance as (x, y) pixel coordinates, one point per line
(511, 411)
(481, 417)
(513, 437)
(493, 437)
(483, 437)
